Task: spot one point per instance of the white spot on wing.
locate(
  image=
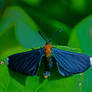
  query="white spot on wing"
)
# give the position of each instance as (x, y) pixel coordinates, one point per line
(91, 60)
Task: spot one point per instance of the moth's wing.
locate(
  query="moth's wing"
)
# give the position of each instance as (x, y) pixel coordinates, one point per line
(26, 62)
(70, 63)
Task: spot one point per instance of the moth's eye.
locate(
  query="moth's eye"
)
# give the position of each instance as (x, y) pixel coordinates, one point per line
(91, 60)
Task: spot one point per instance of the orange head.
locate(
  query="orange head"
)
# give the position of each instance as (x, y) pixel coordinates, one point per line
(48, 49)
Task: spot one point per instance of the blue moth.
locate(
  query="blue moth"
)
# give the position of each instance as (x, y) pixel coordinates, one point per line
(68, 63)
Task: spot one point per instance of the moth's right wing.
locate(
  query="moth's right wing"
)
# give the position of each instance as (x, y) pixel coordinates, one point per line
(70, 63)
(26, 62)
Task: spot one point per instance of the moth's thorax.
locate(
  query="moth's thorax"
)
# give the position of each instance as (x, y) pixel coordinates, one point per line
(48, 49)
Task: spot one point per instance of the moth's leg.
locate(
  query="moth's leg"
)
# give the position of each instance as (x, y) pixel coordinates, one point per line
(46, 74)
(7, 60)
(2, 62)
(50, 63)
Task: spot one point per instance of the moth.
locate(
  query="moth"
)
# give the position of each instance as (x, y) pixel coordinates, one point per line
(68, 63)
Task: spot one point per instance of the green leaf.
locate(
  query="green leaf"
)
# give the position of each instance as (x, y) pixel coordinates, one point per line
(49, 27)
(8, 41)
(78, 5)
(32, 2)
(24, 27)
(2, 4)
(81, 37)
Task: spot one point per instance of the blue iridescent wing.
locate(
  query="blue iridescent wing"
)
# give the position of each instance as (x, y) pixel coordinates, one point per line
(26, 62)
(70, 63)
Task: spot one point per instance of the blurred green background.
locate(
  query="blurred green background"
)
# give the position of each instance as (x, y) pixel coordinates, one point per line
(20, 21)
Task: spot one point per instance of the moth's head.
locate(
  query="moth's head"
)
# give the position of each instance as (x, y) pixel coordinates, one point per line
(49, 41)
(48, 45)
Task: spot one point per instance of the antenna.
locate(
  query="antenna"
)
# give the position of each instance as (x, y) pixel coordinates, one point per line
(43, 36)
(56, 34)
(52, 37)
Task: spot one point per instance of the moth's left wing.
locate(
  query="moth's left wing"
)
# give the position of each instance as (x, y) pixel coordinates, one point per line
(26, 62)
(70, 63)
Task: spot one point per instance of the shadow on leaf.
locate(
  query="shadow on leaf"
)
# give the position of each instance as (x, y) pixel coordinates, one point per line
(18, 77)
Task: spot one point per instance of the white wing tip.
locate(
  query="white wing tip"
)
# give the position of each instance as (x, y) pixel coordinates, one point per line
(91, 60)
